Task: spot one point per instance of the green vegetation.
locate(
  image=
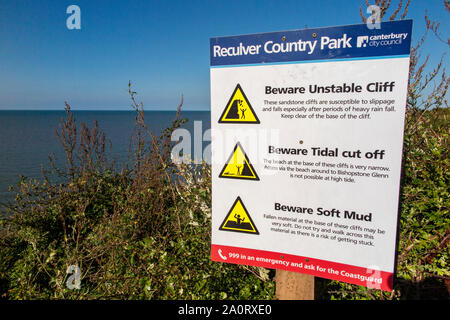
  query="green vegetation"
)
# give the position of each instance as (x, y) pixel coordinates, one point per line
(143, 231)
(138, 233)
(424, 223)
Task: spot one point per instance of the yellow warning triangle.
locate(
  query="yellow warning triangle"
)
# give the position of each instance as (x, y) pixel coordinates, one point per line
(238, 219)
(238, 166)
(238, 109)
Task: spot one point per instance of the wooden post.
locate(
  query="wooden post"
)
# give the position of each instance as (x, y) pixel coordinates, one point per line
(294, 285)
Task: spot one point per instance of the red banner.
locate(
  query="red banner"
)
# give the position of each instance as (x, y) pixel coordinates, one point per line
(320, 268)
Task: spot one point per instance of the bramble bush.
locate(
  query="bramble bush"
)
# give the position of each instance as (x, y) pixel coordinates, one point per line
(424, 228)
(144, 232)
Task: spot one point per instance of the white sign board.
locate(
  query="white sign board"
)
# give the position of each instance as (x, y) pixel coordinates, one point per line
(307, 134)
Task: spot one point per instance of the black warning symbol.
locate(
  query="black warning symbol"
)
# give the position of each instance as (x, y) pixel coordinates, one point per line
(238, 219)
(238, 166)
(238, 109)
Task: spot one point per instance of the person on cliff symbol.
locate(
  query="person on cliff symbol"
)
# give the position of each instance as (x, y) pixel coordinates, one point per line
(243, 113)
(238, 218)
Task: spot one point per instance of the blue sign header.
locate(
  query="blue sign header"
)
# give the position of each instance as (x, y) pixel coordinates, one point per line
(353, 41)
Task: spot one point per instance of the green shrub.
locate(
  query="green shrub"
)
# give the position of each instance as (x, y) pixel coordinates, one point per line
(141, 232)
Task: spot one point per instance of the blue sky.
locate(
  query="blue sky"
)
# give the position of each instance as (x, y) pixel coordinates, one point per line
(161, 46)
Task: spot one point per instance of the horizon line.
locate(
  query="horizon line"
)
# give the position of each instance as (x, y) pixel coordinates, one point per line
(119, 110)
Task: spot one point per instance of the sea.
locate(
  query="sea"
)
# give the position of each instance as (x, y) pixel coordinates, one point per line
(28, 138)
